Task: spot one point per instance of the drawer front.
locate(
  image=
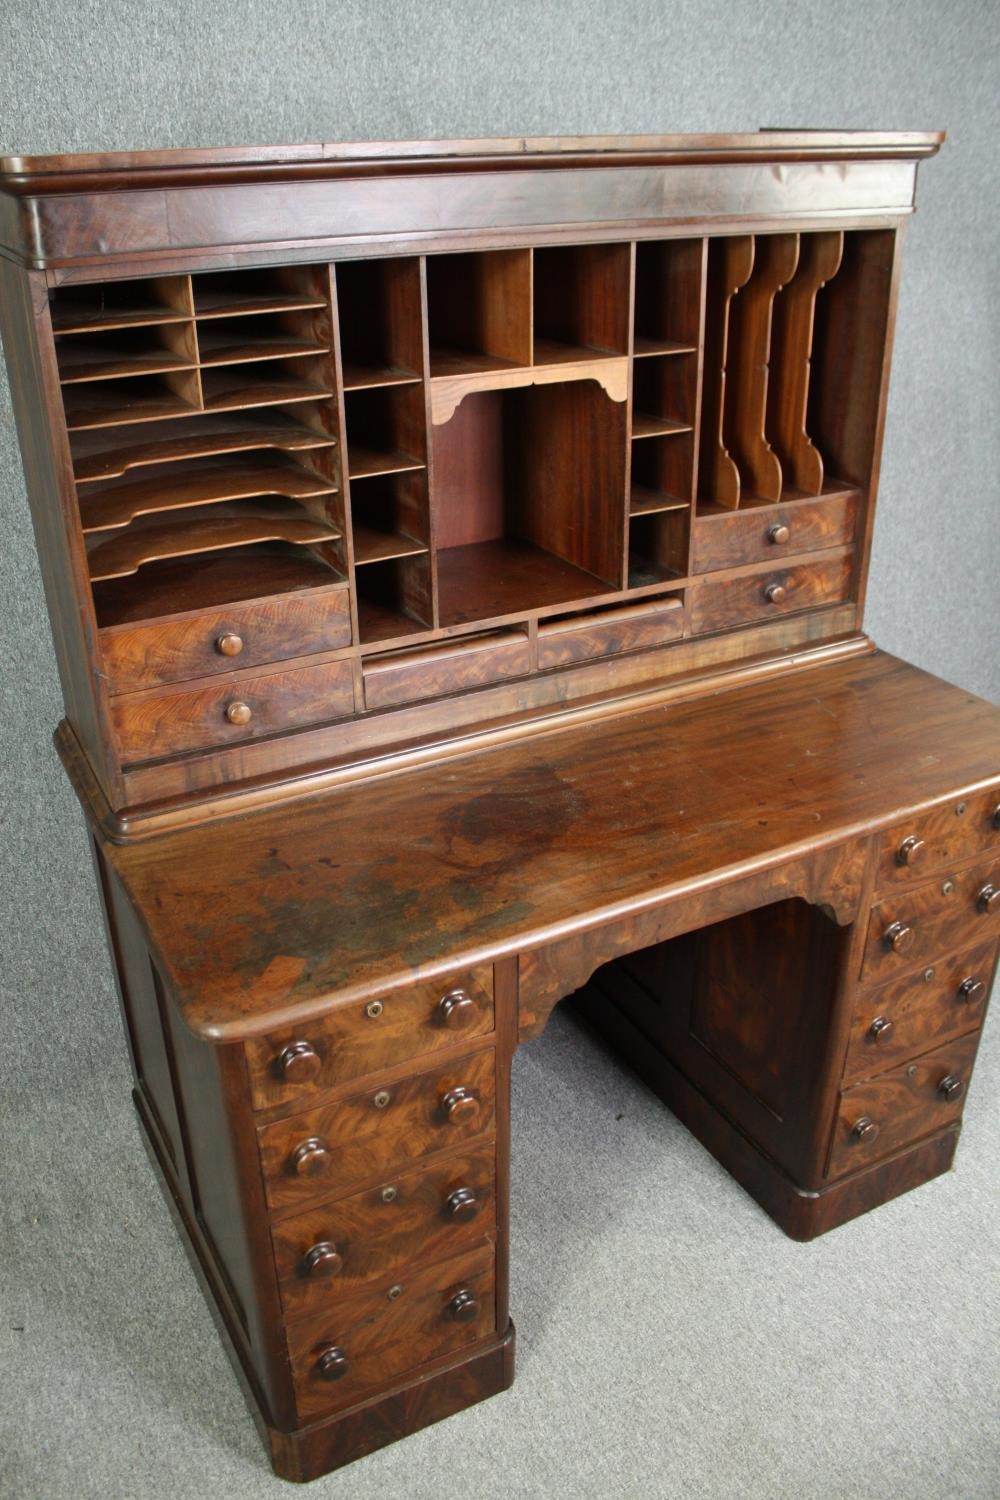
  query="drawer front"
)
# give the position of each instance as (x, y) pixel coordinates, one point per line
(289, 1065)
(328, 1255)
(769, 531)
(885, 1114)
(912, 926)
(954, 830)
(768, 593)
(398, 1326)
(918, 1011)
(405, 676)
(637, 627)
(241, 635)
(368, 1137)
(152, 725)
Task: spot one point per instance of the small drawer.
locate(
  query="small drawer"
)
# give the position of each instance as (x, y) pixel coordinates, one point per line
(636, 627)
(770, 531)
(753, 597)
(427, 672)
(944, 835)
(919, 1011)
(885, 1114)
(214, 714)
(399, 1325)
(241, 635)
(329, 1255)
(917, 925)
(287, 1066)
(369, 1136)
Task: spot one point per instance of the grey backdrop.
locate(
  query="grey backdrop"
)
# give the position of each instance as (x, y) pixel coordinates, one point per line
(111, 1382)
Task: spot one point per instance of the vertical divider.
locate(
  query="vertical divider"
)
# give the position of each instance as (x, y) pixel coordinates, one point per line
(425, 377)
(730, 264)
(745, 409)
(627, 489)
(698, 396)
(337, 408)
(791, 352)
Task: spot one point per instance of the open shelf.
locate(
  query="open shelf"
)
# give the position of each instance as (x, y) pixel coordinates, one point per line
(390, 517)
(379, 316)
(238, 390)
(126, 353)
(669, 276)
(581, 298)
(650, 348)
(644, 425)
(394, 598)
(378, 546)
(505, 577)
(385, 431)
(107, 306)
(113, 404)
(447, 363)
(111, 504)
(646, 502)
(241, 342)
(103, 454)
(479, 310)
(236, 294)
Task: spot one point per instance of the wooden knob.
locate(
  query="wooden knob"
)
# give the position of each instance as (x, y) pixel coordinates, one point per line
(995, 819)
(464, 1306)
(239, 712)
(881, 1030)
(310, 1158)
(459, 1105)
(457, 1010)
(988, 900)
(461, 1205)
(333, 1363)
(972, 990)
(899, 937)
(229, 643)
(911, 852)
(775, 593)
(778, 534)
(324, 1259)
(952, 1088)
(865, 1130)
(299, 1063)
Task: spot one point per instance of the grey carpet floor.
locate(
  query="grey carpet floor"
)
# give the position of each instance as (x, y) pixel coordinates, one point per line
(671, 1342)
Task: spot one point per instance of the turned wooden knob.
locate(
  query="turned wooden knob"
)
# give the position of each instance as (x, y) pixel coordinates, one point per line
(778, 534)
(995, 819)
(457, 1009)
(951, 1087)
(865, 1130)
(229, 643)
(310, 1158)
(299, 1063)
(464, 1306)
(333, 1363)
(988, 900)
(971, 990)
(324, 1259)
(899, 937)
(911, 852)
(881, 1030)
(775, 593)
(239, 712)
(461, 1205)
(459, 1105)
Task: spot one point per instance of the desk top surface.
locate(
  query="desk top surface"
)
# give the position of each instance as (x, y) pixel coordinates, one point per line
(260, 919)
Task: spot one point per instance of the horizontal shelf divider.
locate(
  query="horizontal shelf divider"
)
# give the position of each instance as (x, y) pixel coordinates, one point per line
(233, 525)
(644, 426)
(645, 348)
(103, 457)
(116, 504)
(209, 306)
(218, 350)
(364, 463)
(609, 370)
(646, 502)
(371, 546)
(80, 363)
(360, 377)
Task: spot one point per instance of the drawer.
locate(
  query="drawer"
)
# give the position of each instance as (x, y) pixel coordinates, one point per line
(952, 831)
(636, 627)
(885, 1114)
(399, 1325)
(917, 925)
(369, 1137)
(329, 1254)
(768, 593)
(240, 635)
(287, 1066)
(151, 725)
(919, 1011)
(769, 531)
(427, 672)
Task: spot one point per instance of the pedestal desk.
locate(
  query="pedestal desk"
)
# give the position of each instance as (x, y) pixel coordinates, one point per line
(456, 555)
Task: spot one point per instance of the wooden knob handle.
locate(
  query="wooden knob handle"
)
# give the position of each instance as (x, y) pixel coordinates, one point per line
(310, 1158)
(464, 1306)
(775, 593)
(459, 1105)
(899, 937)
(988, 900)
(865, 1130)
(299, 1063)
(461, 1205)
(333, 1363)
(324, 1259)
(778, 534)
(911, 852)
(952, 1088)
(881, 1030)
(995, 819)
(239, 712)
(457, 1009)
(971, 990)
(229, 643)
